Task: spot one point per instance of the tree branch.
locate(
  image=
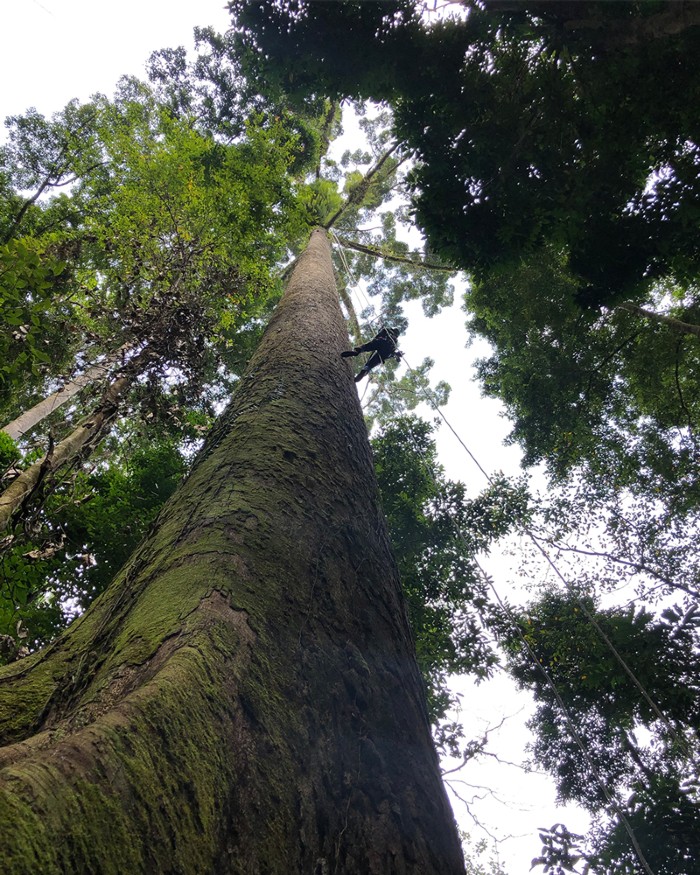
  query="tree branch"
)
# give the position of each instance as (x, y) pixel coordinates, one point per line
(637, 566)
(390, 256)
(675, 324)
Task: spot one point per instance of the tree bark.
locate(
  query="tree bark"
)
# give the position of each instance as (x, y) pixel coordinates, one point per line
(29, 419)
(244, 698)
(88, 433)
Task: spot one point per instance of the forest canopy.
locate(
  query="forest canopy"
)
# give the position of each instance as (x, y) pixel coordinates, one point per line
(549, 151)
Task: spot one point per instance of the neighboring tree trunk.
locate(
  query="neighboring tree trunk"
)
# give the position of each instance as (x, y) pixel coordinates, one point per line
(86, 435)
(353, 321)
(32, 417)
(244, 698)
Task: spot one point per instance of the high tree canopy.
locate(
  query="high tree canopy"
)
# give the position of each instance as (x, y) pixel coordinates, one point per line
(532, 122)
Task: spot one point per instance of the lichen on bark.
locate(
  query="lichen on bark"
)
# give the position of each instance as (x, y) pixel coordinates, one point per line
(244, 698)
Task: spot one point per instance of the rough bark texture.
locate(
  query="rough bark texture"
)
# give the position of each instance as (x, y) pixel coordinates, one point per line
(244, 698)
(32, 417)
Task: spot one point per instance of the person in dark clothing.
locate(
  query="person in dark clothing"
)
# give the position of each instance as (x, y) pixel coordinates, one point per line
(382, 347)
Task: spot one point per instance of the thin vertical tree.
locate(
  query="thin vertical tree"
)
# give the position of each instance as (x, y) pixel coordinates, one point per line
(80, 442)
(244, 698)
(29, 419)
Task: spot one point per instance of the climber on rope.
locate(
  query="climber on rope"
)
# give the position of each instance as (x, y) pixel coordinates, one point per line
(382, 347)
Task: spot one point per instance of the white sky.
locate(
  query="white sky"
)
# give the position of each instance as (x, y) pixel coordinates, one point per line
(55, 50)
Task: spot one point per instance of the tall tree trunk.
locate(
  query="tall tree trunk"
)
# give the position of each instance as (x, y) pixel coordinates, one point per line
(88, 433)
(244, 698)
(31, 418)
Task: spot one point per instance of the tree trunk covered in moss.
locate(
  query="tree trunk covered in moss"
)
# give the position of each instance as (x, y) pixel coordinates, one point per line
(244, 698)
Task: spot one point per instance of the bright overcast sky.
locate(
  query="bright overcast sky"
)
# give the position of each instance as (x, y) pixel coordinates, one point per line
(56, 50)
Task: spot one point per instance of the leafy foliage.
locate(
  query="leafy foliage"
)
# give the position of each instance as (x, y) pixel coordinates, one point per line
(170, 236)
(551, 158)
(9, 451)
(645, 779)
(436, 532)
(532, 122)
(166, 249)
(614, 393)
(91, 524)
